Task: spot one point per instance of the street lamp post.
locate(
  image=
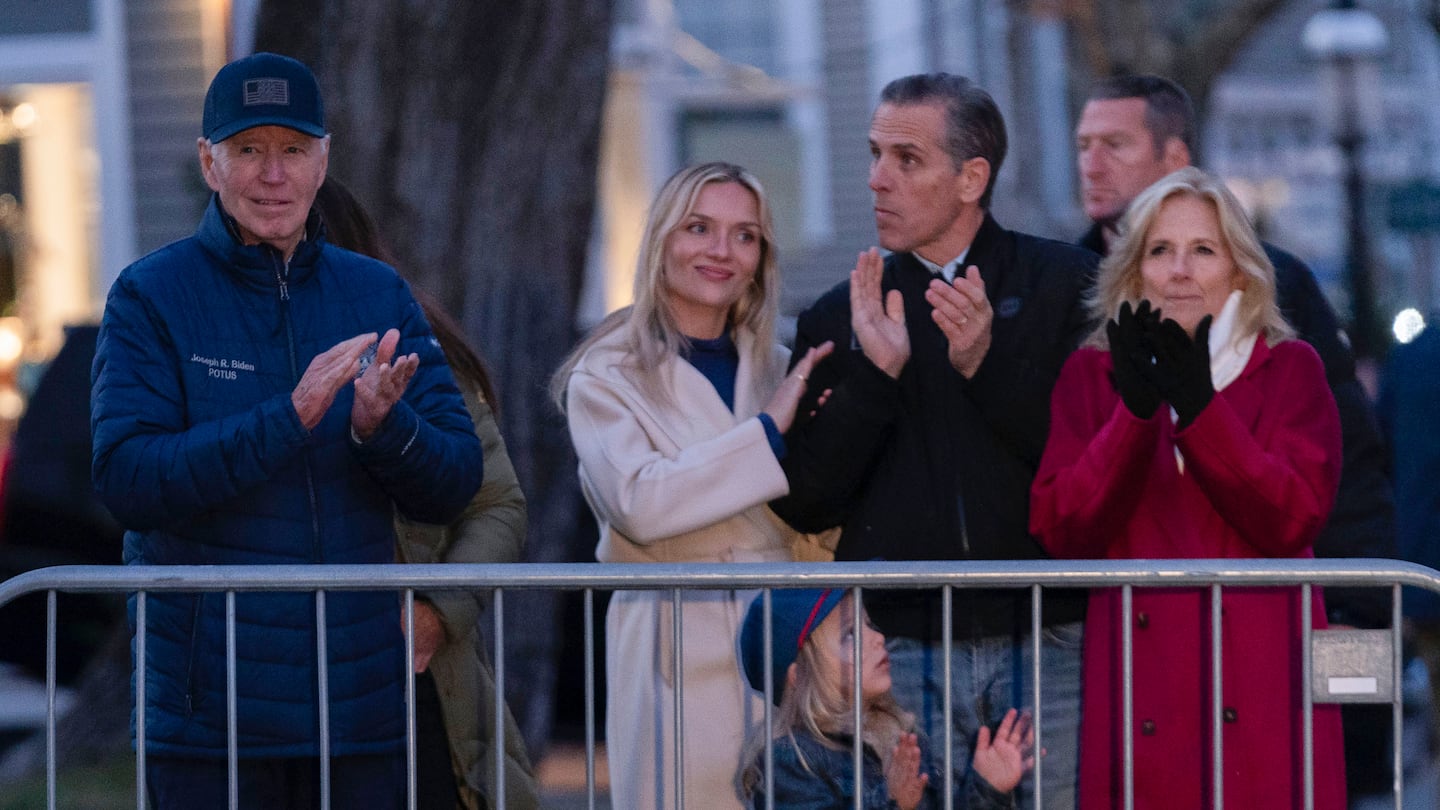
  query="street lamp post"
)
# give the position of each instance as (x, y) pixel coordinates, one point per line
(1347, 41)
(1366, 334)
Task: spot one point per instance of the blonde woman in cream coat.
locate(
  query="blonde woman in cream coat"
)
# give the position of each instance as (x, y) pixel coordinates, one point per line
(677, 407)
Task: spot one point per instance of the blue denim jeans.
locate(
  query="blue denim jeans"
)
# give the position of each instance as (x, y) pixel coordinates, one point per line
(989, 676)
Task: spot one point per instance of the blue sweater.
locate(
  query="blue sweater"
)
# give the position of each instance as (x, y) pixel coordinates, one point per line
(202, 457)
(719, 361)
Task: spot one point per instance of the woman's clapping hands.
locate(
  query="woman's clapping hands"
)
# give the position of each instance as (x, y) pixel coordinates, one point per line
(1132, 353)
(1156, 361)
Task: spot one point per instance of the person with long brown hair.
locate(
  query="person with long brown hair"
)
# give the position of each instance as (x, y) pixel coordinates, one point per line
(455, 685)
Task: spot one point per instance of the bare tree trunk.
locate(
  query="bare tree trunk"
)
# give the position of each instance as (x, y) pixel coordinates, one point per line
(1190, 43)
(471, 131)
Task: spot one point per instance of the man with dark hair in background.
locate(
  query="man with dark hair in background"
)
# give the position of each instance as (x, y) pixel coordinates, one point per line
(1133, 131)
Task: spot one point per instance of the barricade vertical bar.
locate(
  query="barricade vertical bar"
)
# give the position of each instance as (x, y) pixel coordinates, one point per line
(322, 657)
(498, 606)
(947, 700)
(770, 687)
(141, 668)
(50, 622)
(679, 657)
(1397, 703)
(590, 698)
(232, 732)
(410, 796)
(1217, 699)
(1127, 675)
(858, 744)
(1035, 606)
(1307, 707)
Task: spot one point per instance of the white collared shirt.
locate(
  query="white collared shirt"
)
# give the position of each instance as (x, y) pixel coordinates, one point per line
(951, 267)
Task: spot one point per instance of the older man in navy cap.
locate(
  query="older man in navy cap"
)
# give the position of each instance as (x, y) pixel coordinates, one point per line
(263, 397)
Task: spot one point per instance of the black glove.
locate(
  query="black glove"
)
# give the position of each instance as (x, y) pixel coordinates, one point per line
(1182, 368)
(1131, 353)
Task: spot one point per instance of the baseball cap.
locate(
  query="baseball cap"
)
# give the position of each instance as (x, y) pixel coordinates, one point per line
(263, 89)
(794, 615)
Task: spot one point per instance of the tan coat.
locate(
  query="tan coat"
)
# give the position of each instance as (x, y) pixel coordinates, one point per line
(685, 481)
(491, 530)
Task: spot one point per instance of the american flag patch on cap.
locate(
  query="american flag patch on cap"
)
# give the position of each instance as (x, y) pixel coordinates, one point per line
(266, 91)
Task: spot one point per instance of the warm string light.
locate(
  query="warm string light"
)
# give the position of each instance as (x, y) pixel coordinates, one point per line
(12, 344)
(23, 116)
(17, 121)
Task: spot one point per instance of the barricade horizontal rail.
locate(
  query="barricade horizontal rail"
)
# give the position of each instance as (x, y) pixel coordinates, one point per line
(1036, 576)
(665, 576)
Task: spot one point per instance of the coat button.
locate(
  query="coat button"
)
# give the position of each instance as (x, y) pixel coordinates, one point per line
(1142, 619)
(1230, 715)
(1148, 728)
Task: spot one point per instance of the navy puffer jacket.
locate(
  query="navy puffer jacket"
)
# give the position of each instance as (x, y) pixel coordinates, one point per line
(201, 456)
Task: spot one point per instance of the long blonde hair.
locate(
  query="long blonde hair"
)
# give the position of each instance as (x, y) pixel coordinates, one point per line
(1120, 277)
(818, 704)
(652, 336)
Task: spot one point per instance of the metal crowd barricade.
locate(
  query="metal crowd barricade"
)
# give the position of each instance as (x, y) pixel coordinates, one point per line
(590, 577)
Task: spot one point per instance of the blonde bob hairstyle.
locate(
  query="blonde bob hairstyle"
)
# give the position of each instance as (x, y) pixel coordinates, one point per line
(1120, 273)
(652, 334)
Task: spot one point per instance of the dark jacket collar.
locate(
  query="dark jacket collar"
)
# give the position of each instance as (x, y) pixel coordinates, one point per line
(1094, 239)
(258, 264)
(987, 240)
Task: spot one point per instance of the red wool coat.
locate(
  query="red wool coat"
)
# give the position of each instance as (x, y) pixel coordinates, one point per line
(1261, 466)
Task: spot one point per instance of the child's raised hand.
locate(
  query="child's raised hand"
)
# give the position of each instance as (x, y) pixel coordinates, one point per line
(1006, 758)
(903, 776)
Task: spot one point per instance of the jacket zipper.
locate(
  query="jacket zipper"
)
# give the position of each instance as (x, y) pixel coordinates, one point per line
(282, 277)
(190, 669)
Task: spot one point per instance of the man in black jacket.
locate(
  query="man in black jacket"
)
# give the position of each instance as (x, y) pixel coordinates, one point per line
(1133, 131)
(925, 449)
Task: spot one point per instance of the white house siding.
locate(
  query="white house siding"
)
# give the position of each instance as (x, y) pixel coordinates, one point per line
(168, 76)
(848, 104)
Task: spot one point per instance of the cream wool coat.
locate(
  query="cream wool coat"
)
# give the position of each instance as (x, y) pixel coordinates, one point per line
(686, 481)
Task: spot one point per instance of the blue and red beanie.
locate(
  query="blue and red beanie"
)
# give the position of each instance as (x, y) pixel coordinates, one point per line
(794, 615)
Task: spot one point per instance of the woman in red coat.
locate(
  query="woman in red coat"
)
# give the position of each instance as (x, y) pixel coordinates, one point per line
(1193, 424)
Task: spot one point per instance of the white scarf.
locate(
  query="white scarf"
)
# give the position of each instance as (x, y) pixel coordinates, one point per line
(1229, 350)
(1229, 353)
